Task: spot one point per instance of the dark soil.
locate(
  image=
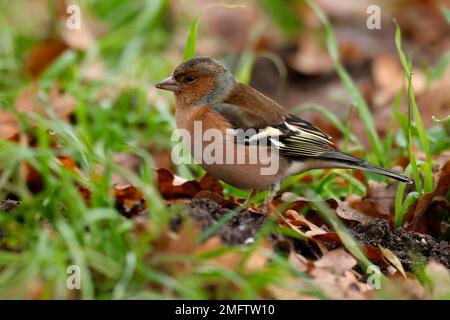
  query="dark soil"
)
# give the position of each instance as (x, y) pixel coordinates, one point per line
(410, 247)
(239, 230)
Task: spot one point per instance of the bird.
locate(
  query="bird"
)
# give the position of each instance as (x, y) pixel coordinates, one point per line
(208, 95)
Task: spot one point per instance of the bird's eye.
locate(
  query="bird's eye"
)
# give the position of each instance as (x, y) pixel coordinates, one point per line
(190, 78)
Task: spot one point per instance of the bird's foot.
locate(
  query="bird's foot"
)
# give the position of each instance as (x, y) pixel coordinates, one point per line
(273, 192)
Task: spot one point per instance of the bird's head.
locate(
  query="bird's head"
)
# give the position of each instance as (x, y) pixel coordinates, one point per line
(199, 81)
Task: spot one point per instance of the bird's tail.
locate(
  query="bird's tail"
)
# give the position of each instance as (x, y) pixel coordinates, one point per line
(348, 161)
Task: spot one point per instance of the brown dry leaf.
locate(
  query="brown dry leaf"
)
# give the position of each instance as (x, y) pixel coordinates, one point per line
(296, 221)
(421, 218)
(346, 212)
(171, 190)
(68, 163)
(380, 197)
(375, 254)
(393, 259)
(299, 262)
(378, 201)
(129, 200)
(184, 242)
(259, 258)
(333, 274)
(336, 261)
(229, 260)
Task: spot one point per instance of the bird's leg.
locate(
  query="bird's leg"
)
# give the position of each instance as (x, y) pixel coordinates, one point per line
(272, 193)
(249, 198)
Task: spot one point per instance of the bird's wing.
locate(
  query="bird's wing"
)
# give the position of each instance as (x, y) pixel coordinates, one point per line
(292, 136)
(301, 139)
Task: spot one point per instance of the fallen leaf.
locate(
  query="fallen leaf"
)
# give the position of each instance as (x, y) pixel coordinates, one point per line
(377, 203)
(183, 243)
(129, 200)
(170, 189)
(419, 218)
(42, 55)
(333, 274)
(346, 212)
(296, 221)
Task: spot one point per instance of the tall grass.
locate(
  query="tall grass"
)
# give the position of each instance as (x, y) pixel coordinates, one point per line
(414, 121)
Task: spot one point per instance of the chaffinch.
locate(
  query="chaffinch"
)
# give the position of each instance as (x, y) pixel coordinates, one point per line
(207, 93)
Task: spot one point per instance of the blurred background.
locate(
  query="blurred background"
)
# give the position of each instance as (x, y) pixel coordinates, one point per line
(86, 97)
(278, 47)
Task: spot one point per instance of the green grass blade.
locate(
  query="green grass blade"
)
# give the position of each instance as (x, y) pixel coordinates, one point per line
(78, 256)
(413, 112)
(191, 41)
(446, 12)
(399, 214)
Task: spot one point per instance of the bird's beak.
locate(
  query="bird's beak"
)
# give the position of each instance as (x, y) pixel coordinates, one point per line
(169, 84)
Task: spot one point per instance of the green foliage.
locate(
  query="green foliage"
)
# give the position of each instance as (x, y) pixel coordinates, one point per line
(191, 39)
